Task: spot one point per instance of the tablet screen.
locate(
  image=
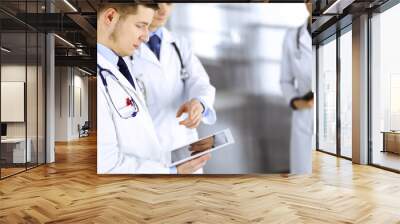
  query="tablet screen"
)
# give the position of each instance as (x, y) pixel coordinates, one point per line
(203, 144)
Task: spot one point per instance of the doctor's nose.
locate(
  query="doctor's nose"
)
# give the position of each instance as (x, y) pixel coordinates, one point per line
(145, 36)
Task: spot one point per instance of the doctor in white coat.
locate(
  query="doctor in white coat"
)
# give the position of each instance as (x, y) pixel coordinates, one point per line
(296, 81)
(127, 142)
(174, 83)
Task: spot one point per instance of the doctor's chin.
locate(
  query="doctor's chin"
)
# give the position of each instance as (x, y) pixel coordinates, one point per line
(194, 96)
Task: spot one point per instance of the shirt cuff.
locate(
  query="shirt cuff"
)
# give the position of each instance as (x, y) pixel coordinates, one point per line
(173, 170)
(206, 109)
(209, 115)
(292, 102)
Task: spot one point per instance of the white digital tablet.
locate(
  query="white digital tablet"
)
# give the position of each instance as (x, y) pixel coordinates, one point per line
(206, 145)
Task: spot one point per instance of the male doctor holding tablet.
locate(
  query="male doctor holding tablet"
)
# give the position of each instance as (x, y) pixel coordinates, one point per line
(127, 141)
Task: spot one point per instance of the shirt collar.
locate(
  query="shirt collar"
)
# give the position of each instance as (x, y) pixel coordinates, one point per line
(158, 32)
(108, 54)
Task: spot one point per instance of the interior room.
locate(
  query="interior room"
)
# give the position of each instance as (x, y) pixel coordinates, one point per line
(48, 104)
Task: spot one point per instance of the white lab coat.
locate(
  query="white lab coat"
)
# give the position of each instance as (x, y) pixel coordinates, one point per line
(166, 92)
(296, 81)
(125, 146)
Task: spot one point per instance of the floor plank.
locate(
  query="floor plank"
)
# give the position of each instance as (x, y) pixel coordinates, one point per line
(70, 191)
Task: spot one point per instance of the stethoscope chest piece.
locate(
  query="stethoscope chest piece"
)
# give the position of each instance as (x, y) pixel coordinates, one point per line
(120, 98)
(184, 74)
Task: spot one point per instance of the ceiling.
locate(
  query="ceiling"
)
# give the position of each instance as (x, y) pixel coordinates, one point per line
(73, 21)
(329, 16)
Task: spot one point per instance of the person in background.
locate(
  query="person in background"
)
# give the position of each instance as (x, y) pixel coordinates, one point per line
(176, 86)
(296, 81)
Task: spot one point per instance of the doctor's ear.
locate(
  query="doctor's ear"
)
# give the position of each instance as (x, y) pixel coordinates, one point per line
(110, 16)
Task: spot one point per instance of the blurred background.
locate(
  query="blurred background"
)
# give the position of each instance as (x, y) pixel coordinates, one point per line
(240, 47)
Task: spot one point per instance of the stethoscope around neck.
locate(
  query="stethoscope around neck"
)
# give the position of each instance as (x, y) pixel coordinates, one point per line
(298, 36)
(184, 74)
(298, 33)
(129, 107)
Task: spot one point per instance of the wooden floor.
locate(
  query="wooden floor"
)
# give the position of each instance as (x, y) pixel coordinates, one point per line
(70, 191)
(10, 171)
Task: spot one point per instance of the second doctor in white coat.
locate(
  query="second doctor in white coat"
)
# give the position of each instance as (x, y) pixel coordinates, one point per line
(296, 82)
(168, 92)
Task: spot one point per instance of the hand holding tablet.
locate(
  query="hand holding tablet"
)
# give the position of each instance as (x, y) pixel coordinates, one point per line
(191, 166)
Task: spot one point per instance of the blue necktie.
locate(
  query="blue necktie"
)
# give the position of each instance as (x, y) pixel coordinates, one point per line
(155, 45)
(123, 68)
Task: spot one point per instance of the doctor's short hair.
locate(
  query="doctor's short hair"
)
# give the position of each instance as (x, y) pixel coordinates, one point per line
(124, 9)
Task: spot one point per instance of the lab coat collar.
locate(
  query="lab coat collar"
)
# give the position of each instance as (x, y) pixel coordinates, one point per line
(305, 38)
(104, 63)
(145, 53)
(167, 36)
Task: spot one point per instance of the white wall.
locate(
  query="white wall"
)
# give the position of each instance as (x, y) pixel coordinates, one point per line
(16, 73)
(79, 117)
(71, 94)
(33, 126)
(12, 73)
(61, 103)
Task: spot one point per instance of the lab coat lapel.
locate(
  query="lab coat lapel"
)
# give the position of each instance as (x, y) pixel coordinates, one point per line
(167, 50)
(145, 53)
(130, 62)
(306, 38)
(107, 65)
